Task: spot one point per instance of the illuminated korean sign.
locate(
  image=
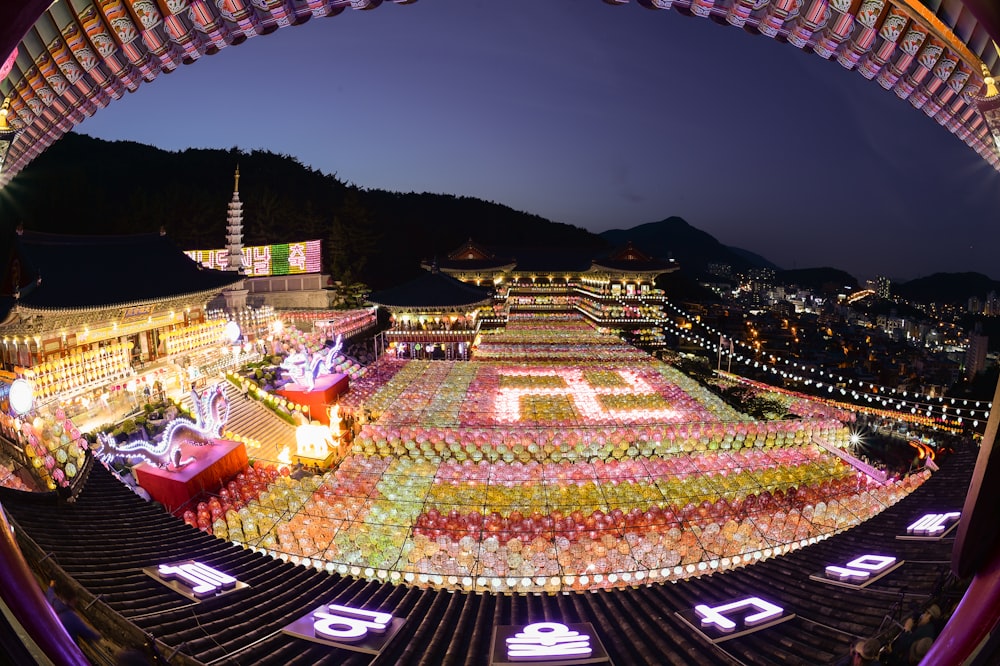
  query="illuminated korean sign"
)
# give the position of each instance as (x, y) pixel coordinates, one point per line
(342, 623)
(931, 526)
(136, 312)
(263, 260)
(547, 643)
(859, 572)
(734, 618)
(194, 580)
(547, 639)
(345, 627)
(718, 616)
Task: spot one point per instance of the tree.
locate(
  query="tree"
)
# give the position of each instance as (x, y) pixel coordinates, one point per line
(352, 240)
(264, 215)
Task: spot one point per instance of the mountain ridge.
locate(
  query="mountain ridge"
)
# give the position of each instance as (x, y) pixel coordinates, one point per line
(376, 236)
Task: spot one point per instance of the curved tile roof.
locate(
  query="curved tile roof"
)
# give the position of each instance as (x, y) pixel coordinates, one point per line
(60, 271)
(105, 553)
(68, 59)
(429, 290)
(635, 266)
(555, 260)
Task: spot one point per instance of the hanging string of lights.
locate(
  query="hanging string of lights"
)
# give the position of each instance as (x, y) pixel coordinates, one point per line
(937, 410)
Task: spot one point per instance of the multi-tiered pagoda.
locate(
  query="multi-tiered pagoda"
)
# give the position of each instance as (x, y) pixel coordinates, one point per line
(235, 295)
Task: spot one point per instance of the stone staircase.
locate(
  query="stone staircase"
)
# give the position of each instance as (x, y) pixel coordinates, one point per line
(266, 434)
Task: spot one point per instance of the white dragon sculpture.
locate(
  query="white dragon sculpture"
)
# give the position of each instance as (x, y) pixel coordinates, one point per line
(211, 413)
(303, 368)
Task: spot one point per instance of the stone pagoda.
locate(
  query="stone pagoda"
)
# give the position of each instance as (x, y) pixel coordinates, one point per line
(236, 295)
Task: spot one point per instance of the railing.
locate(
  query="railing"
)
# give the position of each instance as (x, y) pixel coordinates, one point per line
(229, 361)
(860, 465)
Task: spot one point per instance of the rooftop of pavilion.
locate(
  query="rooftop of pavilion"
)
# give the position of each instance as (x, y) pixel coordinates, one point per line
(473, 257)
(53, 47)
(60, 272)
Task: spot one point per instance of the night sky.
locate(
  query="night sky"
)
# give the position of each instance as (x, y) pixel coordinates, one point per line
(597, 116)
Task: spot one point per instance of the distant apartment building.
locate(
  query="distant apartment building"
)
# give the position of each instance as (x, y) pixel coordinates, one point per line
(893, 325)
(975, 354)
(783, 308)
(719, 269)
(758, 281)
(882, 287)
(991, 308)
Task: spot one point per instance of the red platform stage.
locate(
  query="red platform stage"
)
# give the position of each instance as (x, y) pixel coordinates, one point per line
(212, 465)
(328, 389)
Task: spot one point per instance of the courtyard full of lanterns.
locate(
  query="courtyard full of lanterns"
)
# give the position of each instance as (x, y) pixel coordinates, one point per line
(558, 458)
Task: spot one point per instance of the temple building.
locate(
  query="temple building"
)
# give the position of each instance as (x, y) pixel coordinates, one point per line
(433, 316)
(627, 271)
(617, 291)
(80, 312)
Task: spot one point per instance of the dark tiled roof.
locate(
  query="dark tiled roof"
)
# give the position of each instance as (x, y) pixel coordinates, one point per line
(471, 250)
(432, 289)
(6, 304)
(559, 260)
(635, 265)
(105, 554)
(475, 264)
(552, 260)
(69, 271)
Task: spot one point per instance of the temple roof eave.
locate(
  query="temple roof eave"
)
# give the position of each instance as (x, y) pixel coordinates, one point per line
(47, 310)
(433, 290)
(654, 271)
(452, 269)
(457, 307)
(966, 36)
(224, 281)
(23, 320)
(127, 268)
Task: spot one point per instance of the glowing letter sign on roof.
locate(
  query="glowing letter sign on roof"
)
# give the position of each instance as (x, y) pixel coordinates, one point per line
(934, 524)
(194, 579)
(547, 640)
(262, 260)
(547, 643)
(861, 568)
(345, 627)
(859, 572)
(734, 618)
(717, 615)
(348, 624)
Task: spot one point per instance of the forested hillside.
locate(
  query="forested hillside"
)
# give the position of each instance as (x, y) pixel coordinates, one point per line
(89, 186)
